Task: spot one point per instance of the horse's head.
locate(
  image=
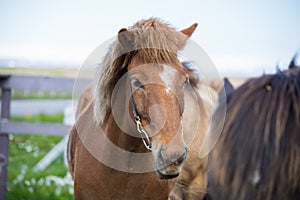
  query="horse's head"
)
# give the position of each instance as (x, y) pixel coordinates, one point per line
(159, 103)
(157, 81)
(147, 54)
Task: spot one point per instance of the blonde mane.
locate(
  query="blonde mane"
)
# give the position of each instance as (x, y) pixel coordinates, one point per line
(152, 40)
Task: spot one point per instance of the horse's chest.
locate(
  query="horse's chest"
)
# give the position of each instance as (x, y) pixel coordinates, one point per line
(119, 185)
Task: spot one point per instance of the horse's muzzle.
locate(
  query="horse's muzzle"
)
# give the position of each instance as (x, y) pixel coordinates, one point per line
(169, 166)
(168, 175)
(168, 172)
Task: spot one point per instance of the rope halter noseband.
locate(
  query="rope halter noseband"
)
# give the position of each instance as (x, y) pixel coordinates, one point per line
(144, 135)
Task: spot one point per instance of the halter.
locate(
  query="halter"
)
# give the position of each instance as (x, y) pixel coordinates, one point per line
(144, 135)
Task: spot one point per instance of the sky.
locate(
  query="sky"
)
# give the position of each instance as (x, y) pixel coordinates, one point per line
(243, 38)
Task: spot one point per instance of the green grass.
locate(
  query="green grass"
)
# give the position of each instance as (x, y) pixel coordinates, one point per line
(57, 118)
(22, 94)
(24, 153)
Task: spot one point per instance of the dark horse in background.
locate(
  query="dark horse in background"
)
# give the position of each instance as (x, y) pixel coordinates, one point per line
(258, 154)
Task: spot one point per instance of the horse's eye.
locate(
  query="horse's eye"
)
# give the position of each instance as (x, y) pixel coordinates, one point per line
(186, 82)
(137, 83)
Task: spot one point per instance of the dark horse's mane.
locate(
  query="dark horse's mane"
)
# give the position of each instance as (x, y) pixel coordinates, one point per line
(258, 154)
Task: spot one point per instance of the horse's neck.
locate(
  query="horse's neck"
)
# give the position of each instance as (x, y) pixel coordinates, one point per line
(208, 102)
(199, 107)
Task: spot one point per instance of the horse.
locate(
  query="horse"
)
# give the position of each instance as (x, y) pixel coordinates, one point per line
(258, 153)
(192, 181)
(135, 106)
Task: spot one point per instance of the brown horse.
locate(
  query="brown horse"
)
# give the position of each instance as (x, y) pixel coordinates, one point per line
(140, 84)
(258, 154)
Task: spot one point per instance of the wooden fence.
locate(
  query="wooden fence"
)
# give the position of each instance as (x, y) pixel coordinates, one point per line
(38, 83)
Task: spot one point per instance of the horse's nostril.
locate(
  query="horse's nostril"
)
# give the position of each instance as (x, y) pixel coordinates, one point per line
(173, 158)
(182, 158)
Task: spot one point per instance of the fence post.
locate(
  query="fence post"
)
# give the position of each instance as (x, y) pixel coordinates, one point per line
(4, 141)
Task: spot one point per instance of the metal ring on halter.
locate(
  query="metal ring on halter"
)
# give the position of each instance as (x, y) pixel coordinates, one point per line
(144, 135)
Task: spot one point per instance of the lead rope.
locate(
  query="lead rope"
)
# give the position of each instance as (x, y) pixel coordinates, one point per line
(145, 137)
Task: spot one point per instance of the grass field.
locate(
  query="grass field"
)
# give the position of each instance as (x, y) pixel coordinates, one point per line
(60, 72)
(24, 153)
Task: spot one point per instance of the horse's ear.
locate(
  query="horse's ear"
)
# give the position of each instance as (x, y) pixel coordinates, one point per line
(126, 38)
(228, 87)
(293, 62)
(225, 91)
(189, 31)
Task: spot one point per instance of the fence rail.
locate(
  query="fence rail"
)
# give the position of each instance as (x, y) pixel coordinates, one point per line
(33, 128)
(40, 83)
